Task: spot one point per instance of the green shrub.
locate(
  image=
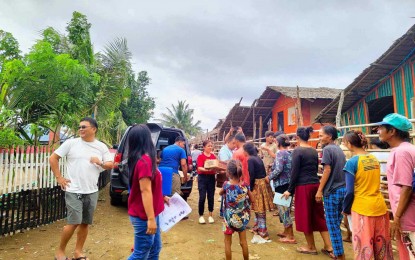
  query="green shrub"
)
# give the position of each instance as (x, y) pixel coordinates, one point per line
(9, 138)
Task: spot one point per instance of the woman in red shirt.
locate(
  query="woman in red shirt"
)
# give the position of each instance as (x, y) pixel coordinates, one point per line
(145, 201)
(206, 182)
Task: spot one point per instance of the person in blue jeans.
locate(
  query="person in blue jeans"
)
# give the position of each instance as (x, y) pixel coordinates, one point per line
(146, 200)
(333, 188)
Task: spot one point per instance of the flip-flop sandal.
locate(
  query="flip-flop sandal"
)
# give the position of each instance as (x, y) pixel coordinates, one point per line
(276, 214)
(81, 258)
(66, 258)
(287, 241)
(304, 251)
(347, 240)
(281, 235)
(328, 253)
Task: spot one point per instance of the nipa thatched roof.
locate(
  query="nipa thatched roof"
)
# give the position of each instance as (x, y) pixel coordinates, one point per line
(310, 93)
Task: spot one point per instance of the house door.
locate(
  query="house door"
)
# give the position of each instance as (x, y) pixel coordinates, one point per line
(280, 118)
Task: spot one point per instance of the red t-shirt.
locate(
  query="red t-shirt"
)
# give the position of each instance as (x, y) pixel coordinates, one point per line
(143, 169)
(240, 155)
(201, 159)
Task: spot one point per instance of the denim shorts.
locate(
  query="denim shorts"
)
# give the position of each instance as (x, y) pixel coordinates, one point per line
(80, 207)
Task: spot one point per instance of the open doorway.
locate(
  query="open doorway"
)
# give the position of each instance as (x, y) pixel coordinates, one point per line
(280, 123)
(379, 108)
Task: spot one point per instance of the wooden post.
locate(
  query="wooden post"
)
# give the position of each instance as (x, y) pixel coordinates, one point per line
(339, 109)
(260, 128)
(300, 113)
(253, 122)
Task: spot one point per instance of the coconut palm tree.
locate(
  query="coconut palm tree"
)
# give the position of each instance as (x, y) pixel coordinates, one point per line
(181, 116)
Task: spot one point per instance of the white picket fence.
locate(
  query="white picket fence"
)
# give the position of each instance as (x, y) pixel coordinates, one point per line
(27, 168)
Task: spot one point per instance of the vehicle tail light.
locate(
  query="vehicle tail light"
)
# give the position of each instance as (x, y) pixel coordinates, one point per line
(117, 159)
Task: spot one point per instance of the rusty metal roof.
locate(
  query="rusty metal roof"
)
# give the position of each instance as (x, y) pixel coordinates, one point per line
(402, 49)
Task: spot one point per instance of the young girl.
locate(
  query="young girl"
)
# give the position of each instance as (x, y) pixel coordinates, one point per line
(236, 213)
(364, 201)
(261, 190)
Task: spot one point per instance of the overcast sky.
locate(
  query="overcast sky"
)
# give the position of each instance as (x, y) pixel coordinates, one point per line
(212, 53)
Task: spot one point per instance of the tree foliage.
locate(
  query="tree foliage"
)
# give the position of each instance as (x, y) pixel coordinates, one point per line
(181, 116)
(9, 48)
(61, 80)
(138, 108)
(79, 37)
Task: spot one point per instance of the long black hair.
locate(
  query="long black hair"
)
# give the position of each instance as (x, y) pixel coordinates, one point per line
(139, 143)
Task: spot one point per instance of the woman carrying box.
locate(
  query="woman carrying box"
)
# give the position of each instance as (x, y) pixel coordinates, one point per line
(206, 182)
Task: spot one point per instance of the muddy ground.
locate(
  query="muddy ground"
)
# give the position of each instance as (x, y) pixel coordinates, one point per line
(111, 237)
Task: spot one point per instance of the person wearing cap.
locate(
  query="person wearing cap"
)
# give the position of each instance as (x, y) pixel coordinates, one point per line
(174, 156)
(394, 130)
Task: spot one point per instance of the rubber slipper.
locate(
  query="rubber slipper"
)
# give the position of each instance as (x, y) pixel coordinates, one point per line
(81, 258)
(305, 251)
(328, 253)
(281, 235)
(347, 240)
(285, 240)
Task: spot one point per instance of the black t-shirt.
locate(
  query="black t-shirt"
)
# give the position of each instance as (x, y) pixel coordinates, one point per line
(304, 167)
(256, 170)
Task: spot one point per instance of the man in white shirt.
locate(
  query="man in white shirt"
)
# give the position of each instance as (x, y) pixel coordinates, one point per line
(86, 158)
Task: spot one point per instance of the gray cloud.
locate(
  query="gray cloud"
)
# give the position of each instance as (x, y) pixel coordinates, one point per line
(214, 52)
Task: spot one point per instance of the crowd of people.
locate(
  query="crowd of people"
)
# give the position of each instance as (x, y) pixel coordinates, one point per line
(255, 177)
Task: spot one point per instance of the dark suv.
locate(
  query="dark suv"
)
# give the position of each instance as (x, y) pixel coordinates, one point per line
(162, 137)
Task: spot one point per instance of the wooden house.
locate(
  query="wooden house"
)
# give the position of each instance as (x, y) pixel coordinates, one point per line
(276, 109)
(284, 107)
(386, 86)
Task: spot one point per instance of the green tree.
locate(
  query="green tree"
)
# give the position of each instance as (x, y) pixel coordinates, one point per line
(49, 89)
(181, 116)
(139, 107)
(59, 42)
(9, 48)
(79, 37)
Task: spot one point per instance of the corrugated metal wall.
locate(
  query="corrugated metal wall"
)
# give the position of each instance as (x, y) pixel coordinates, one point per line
(402, 80)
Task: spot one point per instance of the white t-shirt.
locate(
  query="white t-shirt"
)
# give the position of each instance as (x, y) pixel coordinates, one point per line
(80, 171)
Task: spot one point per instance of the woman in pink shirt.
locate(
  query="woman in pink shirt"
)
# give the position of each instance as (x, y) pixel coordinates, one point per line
(145, 201)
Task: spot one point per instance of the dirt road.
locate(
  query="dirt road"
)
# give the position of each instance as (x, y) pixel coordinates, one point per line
(111, 237)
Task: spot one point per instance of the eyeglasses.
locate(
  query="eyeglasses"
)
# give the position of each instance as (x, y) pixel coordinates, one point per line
(83, 127)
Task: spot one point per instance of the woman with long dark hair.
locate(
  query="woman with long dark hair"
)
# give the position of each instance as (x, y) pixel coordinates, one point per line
(309, 215)
(145, 201)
